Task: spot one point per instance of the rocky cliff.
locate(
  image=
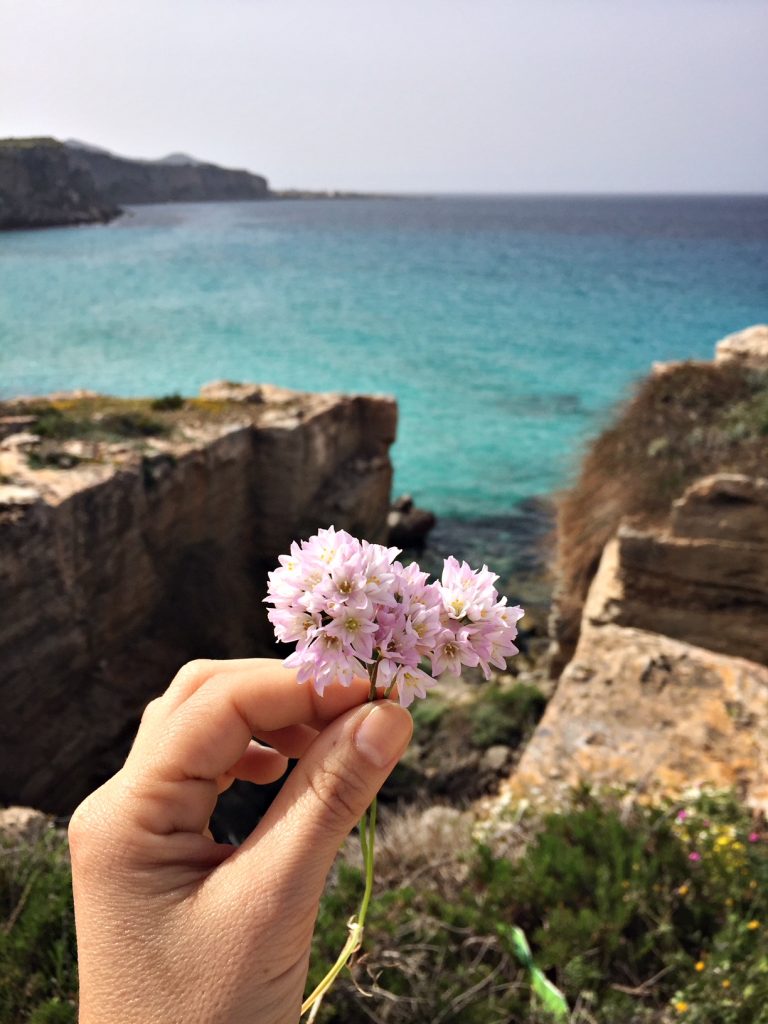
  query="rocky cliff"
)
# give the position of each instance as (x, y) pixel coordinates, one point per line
(133, 538)
(123, 181)
(685, 422)
(666, 681)
(42, 186)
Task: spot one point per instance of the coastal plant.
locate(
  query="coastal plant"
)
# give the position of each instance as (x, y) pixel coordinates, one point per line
(38, 963)
(354, 611)
(616, 910)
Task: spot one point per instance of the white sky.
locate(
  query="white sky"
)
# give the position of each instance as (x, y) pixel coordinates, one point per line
(406, 95)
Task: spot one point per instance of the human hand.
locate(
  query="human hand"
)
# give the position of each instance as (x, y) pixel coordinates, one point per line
(172, 926)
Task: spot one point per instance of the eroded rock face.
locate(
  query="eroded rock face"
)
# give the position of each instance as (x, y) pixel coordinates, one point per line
(703, 580)
(748, 348)
(114, 573)
(637, 709)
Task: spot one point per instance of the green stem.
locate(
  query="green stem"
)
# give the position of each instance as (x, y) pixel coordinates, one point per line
(367, 829)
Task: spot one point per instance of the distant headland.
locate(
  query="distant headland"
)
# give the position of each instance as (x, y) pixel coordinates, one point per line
(47, 183)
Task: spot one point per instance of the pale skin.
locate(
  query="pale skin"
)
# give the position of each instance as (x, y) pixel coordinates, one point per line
(174, 927)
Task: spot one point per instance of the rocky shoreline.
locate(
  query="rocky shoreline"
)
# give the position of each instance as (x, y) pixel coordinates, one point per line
(662, 639)
(47, 183)
(126, 526)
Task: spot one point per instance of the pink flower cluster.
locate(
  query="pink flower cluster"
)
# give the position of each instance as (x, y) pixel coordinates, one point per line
(353, 610)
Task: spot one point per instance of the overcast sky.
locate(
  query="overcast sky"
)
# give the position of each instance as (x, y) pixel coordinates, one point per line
(406, 95)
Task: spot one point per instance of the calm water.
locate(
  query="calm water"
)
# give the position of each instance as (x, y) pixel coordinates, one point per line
(505, 327)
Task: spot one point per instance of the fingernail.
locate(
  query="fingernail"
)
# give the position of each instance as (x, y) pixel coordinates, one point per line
(384, 733)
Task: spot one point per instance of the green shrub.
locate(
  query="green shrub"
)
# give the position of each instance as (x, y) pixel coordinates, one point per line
(645, 915)
(38, 966)
(168, 403)
(506, 715)
(616, 911)
(56, 424)
(428, 715)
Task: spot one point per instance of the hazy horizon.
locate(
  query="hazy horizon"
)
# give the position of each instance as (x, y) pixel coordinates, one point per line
(434, 97)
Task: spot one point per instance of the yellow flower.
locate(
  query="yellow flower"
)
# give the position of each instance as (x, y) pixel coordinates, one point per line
(729, 902)
(726, 983)
(682, 890)
(681, 1006)
(700, 965)
(753, 924)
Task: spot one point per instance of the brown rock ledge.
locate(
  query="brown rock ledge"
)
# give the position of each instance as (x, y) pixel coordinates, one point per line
(153, 550)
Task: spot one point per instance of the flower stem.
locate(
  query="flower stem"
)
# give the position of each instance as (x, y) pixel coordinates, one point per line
(356, 924)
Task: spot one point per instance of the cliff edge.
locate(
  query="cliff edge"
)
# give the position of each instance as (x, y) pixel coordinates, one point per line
(661, 619)
(135, 536)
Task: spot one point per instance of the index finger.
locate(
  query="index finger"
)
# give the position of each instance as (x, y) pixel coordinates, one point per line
(210, 730)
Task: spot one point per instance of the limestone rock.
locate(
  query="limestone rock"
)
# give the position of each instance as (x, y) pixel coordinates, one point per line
(704, 580)
(724, 506)
(231, 391)
(635, 708)
(495, 757)
(748, 347)
(22, 824)
(14, 425)
(123, 568)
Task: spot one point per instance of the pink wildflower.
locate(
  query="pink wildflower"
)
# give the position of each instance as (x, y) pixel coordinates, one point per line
(352, 609)
(695, 857)
(754, 837)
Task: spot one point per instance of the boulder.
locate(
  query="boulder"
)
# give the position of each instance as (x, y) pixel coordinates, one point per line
(22, 825)
(408, 525)
(638, 709)
(747, 348)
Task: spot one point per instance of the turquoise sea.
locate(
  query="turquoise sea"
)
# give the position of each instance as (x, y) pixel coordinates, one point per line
(507, 327)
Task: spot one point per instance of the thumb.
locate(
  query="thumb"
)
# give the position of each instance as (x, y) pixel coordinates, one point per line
(325, 796)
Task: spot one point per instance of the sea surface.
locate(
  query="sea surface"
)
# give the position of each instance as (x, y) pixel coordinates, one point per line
(506, 327)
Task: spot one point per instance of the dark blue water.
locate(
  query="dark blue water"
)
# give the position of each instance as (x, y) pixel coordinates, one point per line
(506, 327)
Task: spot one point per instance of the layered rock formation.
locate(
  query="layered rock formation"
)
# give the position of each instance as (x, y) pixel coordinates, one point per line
(686, 422)
(123, 181)
(42, 186)
(152, 551)
(703, 578)
(668, 685)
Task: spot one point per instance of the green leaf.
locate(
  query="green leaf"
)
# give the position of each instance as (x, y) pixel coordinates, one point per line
(551, 997)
